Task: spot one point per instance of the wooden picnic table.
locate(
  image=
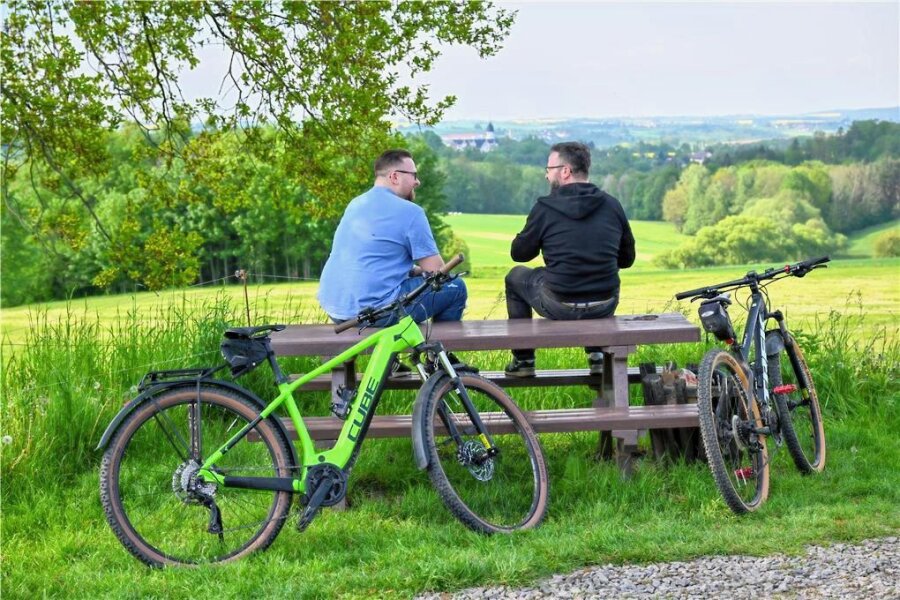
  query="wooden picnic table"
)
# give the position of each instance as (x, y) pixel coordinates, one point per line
(617, 336)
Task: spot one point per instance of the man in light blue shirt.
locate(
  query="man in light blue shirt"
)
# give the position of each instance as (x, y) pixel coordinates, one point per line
(382, 236)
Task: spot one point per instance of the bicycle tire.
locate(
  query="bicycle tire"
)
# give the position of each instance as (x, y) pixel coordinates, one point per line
(737, 457)
(515, 493)
(143, 471)
(800, 418)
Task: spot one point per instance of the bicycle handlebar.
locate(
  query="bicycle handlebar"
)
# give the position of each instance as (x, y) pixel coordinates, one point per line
(797, 270)
(369, 314)
(346, 325)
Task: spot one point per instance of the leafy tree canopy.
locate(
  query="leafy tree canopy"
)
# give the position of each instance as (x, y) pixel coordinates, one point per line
(328, 77)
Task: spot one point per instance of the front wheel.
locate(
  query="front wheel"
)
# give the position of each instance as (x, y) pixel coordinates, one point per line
(798, 406)
(157, 502)
(495, 488)
(730, 427)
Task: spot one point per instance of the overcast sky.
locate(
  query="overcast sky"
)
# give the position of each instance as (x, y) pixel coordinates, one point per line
(597, 59)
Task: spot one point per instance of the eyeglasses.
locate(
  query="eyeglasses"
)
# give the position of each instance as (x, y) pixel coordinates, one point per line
(415, 174)
(547, 169)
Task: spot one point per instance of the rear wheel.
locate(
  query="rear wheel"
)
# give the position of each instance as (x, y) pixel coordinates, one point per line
(729, 424)
(491, 490)
(157, 504)
(798, 407)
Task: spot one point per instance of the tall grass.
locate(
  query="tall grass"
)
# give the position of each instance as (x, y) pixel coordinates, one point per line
(63, 385)
(72, 375)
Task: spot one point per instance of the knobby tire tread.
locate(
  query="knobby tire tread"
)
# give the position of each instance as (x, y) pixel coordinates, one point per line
(271, 436)
(709, 433)
(440, 481)
(788, 431)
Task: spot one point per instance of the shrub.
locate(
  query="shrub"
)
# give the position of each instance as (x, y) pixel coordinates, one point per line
(887, 244)
(745, 239)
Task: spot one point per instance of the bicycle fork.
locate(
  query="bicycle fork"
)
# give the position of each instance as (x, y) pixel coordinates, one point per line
(443, 410)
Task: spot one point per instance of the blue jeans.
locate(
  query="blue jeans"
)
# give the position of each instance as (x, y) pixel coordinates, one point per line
(447, 304)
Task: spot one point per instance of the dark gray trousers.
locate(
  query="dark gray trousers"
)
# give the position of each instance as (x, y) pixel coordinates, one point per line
(525, 291)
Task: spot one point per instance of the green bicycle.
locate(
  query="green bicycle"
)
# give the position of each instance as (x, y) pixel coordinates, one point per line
(181, 483)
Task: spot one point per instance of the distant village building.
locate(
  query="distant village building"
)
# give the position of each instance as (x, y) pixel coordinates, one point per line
(480, 141)
(700, 157)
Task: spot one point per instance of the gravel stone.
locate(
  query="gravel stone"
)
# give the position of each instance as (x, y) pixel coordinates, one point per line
(869, 569)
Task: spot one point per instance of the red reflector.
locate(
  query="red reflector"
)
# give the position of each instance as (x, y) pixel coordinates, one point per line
(788, 388)
(744, 473)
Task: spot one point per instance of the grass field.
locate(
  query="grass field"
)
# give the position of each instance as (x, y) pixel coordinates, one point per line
(862, 243)
(68, 367)
(489, 237)
(870, 285)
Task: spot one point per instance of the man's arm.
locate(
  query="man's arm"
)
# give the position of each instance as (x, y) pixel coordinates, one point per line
(430, 263)
(626, 246)
(527, 244)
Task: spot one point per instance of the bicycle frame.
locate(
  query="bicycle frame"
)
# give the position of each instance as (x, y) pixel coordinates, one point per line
(385, 343)
(755, 337)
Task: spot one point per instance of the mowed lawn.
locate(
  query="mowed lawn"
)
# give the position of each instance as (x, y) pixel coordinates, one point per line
(489, 237)
(862, 243)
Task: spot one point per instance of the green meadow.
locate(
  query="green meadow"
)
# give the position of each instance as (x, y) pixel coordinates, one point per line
(867, 284)
(862, 243)
(69, 366)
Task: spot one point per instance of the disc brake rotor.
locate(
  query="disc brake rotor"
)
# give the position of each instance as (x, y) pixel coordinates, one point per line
(473, 455)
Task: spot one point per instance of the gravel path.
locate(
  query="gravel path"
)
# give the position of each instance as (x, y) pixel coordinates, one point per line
(870, 570)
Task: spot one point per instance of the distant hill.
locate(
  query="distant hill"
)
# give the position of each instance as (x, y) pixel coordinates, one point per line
(604, 132)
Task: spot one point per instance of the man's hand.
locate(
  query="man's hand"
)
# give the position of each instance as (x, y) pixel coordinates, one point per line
(415, 271)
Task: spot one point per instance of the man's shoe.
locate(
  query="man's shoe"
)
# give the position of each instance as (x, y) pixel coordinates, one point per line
(432, 365)
(595, 363)
(520, 368)
(398, 369)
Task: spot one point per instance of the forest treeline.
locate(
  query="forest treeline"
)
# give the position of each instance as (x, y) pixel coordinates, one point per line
(212, 208)
(777, 200)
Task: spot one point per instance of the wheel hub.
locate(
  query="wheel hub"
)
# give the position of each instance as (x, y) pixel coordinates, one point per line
(188, 486)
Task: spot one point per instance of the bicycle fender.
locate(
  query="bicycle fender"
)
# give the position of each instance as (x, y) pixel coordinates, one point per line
(149, 393)
(774, 343)
(420, 453)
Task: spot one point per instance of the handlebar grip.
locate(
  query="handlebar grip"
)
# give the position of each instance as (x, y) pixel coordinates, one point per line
(349, 324)
(815, 261)
(690, 293)
(449, 265)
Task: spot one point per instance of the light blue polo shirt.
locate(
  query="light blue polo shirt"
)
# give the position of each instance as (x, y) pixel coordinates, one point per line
(376, 242)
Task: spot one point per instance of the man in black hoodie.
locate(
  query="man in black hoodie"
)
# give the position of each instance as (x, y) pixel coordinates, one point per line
(585, 238)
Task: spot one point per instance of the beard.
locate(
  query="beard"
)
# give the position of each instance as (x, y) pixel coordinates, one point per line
(554, 185)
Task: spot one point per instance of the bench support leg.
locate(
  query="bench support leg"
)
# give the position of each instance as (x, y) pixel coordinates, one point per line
(614, 393)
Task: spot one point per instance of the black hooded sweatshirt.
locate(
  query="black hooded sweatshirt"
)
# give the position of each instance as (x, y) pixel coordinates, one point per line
(585, 238)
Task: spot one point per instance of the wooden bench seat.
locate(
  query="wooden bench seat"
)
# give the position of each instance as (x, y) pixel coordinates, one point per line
(543, 421)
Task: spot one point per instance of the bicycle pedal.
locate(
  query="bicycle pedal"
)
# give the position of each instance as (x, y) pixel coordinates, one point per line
(788, 388)
(340, 405)
(306, 517)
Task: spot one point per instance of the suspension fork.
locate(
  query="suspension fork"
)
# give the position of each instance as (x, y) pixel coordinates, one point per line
(438, 349)
(790, 348)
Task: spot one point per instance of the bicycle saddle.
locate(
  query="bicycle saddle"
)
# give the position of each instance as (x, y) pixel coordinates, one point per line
(249, 332)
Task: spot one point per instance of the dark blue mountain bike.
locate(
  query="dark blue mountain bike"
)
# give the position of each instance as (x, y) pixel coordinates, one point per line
(738, 388)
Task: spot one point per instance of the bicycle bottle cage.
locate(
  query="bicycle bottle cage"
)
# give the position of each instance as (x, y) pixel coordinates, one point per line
(242, 352)
(715, 319)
